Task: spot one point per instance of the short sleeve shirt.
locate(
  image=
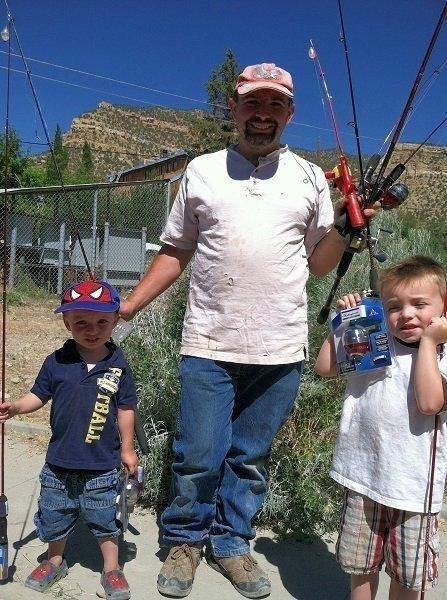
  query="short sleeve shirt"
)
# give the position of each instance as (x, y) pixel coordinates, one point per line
(384, 445)
(253, 229)
(84, 407)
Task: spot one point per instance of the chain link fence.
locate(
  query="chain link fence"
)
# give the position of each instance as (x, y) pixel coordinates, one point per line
(119, 225)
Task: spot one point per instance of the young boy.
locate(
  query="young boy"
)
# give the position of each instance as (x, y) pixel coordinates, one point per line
(382, 455)
(92, 423)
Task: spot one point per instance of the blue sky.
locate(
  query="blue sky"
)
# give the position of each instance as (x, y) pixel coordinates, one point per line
(172, 45)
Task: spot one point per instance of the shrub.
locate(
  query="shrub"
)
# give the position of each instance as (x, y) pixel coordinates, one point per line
(302, 499)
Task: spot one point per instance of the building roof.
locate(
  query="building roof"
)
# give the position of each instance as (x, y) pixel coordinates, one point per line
(115, 175)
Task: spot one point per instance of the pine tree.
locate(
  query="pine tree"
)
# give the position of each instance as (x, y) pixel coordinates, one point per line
(61, 157)
(17, 162)
(86, 169)
(220, 85)
(216, 130)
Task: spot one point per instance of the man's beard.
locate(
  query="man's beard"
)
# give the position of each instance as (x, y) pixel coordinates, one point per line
(259, 139)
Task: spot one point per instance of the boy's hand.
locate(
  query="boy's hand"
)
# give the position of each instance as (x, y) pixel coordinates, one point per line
(437, 330)
(129, 459)
(349, 301)
(7, 411)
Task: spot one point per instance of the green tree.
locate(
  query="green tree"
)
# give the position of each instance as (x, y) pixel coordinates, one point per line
(16, 159)
(86, 170)
(60, 156)
(220, 85)
(33, 176)
(216, 130)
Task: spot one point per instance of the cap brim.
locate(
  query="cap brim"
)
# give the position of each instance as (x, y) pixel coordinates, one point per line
(92, 306)
(245, 88)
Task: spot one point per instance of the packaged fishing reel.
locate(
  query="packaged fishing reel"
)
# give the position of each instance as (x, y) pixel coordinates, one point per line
(130, 489)
(362, 342)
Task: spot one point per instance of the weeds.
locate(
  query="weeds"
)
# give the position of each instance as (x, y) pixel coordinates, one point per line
(302, 499)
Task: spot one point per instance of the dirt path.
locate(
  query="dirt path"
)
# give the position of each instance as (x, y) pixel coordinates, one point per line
(33, 332)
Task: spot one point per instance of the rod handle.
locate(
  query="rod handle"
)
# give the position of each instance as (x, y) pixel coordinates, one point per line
(140, 434)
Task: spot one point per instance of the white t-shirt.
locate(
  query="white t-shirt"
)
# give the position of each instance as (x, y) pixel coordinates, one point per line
(384, 444)
(253, 228)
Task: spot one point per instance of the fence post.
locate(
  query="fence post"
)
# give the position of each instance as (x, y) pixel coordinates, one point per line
(168, 200)
(60, 265)
(105, 258)
(12, 257)
(143, 250)
(95, 218)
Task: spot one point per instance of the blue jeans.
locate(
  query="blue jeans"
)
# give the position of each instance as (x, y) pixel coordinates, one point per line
(65, 494)
(228, 417)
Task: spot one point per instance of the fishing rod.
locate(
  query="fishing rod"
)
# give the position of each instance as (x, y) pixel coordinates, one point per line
(382, 189)
(381, 183)
(4, 566)
(431, 483)
(444, 120)
(33, 90)
(423, 91)
(352, 223)
(139, 430)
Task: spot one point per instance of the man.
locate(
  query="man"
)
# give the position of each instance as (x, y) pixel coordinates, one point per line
(258, 217)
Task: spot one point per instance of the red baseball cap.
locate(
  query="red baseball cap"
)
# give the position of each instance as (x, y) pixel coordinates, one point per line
(91, 294)
(264, 76)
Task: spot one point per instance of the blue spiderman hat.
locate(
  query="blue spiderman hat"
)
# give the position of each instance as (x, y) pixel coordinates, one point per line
(92, 295)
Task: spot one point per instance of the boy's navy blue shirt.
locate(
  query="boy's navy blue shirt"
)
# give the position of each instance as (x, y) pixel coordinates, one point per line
(84, 407)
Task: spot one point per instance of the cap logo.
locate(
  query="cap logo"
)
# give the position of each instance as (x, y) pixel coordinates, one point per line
(264, 73)
(88, 291)
(92, 295)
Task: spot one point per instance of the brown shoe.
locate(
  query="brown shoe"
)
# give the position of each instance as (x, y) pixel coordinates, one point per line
(244, 573)
(177, 573)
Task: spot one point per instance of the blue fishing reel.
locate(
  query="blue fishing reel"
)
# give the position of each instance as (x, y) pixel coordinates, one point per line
(361, 338)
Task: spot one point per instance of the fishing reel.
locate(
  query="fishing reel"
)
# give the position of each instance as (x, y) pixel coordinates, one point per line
(361, 339)
(386, 190)
(355, 342)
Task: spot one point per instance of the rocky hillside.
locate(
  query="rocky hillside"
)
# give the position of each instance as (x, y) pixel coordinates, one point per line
(123, 136)
(426, 176)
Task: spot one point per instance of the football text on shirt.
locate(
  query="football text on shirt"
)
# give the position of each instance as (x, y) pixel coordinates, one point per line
(108, 386)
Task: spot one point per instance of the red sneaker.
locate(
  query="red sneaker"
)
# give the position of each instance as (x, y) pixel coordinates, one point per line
(45, 575)
(115, 585)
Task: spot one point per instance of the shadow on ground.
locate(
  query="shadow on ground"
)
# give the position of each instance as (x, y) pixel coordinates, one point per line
(307, 570)
(82, 548)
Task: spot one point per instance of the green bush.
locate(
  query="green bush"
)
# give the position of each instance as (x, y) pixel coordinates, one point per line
(153, 352)
(302, 499)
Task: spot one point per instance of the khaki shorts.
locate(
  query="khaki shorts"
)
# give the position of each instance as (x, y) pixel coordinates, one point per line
(372, 534)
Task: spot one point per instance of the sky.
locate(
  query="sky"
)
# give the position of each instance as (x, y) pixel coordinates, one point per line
(173, 45)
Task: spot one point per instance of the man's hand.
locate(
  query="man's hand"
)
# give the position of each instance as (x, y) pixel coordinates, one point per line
(127, 310)
(129, 459)
(370, 212)
(436, 331)
(7, 411)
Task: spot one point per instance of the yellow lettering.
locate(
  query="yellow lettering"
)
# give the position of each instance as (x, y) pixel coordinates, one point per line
(103, 397)
(116, 371)
(96, 419)
(89, 438)
(102, 408)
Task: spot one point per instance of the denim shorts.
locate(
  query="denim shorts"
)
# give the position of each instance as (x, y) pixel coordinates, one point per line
(66, 494)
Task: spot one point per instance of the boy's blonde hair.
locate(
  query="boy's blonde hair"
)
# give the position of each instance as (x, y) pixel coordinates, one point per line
(414, 268)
